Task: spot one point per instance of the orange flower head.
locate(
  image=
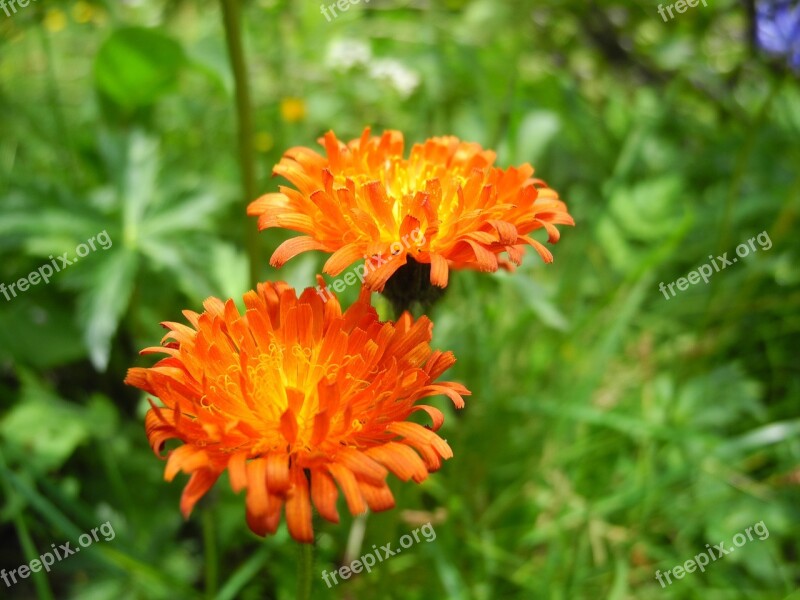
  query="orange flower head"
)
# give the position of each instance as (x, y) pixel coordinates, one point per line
(296, 400)
(446, 206)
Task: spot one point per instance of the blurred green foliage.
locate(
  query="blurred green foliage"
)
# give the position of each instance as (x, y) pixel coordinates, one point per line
(612, 431)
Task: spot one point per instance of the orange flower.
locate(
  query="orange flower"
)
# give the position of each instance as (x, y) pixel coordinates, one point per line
(445, 205)
(293, 398)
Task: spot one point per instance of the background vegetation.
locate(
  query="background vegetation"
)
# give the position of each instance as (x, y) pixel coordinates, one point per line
(612, 432)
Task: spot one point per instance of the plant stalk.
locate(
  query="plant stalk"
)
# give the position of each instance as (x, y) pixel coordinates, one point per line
(305, 566)
(232, 19)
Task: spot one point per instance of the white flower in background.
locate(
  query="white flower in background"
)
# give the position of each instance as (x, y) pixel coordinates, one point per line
(346, 54)
(343, 55)
(403, 79)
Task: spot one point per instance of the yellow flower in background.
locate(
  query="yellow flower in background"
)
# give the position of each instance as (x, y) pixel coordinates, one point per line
(263, 141)
(293, 110)
(99, 16)
(55, 20)
(82, 12)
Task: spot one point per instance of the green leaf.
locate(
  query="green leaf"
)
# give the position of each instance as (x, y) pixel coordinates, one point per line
(43, 426)
(229, 270)
(535, 297)
(730, 382)
(186, 264)
(138, 184)
(101, 306)
(646, 210)
(191, 214)
(136, 66)
(38, 331)
(536, 131)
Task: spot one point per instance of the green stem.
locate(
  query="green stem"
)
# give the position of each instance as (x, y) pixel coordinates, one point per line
(305, 566)
(232, 18)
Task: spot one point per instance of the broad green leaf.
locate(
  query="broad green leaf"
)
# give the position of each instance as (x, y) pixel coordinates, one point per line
(537, 298)
(38, 331)
(101, 305)
(43, 426)
(536, 131)
(136, 66)
(186, 264)
(190, 214)
(138, 185)
(229, 270)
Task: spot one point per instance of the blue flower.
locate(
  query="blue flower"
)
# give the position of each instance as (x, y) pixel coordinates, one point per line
(778, 29)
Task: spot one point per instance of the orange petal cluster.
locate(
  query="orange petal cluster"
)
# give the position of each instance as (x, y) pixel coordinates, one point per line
(363, 197)
(296, 400)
